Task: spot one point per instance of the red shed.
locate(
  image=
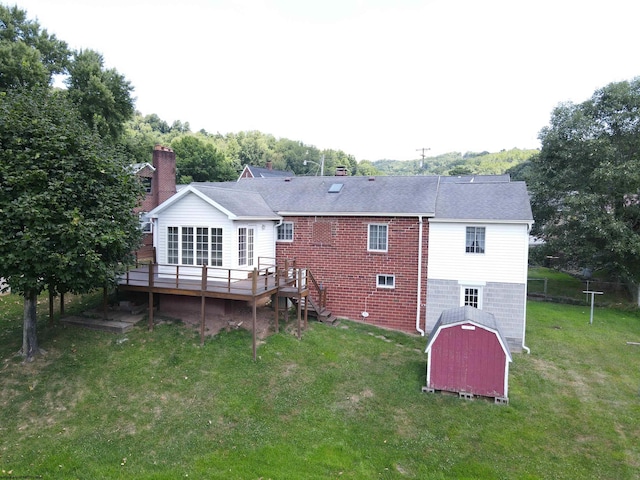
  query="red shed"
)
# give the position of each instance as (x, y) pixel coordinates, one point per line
(468, 354)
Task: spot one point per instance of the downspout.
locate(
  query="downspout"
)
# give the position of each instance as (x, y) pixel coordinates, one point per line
(524, 324)
(419, 277)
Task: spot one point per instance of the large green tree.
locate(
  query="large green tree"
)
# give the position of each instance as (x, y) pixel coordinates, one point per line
(66, 202)
(200, 161)
(28, 54)
(585, 182)
(103, 96)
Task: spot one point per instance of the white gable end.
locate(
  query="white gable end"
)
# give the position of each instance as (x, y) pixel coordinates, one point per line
(504, 260)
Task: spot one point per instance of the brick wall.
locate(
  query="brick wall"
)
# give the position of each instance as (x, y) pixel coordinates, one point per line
(335, 250)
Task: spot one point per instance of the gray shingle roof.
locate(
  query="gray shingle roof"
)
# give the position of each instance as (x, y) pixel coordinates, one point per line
(358, 196)
(247, 205)
(262, 172)
(454, 198)
(466, 314)
(486, 201)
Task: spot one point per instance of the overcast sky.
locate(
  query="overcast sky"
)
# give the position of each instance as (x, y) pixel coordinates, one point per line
(374, 78)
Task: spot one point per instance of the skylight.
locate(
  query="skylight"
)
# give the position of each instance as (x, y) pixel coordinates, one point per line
(336, 187)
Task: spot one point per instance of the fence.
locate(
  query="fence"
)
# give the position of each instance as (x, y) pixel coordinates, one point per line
(571, 290)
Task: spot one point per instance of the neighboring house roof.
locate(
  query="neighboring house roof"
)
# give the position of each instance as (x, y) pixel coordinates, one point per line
(248, 206)
(262, 172)
(467, 314)
(358, 195)
(137, 167)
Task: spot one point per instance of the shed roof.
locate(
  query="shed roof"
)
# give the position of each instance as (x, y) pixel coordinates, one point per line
(468, 314)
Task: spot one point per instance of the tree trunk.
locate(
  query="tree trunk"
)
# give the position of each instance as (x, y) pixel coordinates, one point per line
(29, 333)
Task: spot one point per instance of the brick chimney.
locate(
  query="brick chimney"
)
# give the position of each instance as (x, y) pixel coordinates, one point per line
(269, 165)
(341, 171)
(164, 183)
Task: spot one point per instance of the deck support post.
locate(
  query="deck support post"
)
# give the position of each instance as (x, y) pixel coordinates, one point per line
(255, 314)
(50, 307)
(203, 301)
(299, 312)
(255, 310)
(277, 305)
(150, 315)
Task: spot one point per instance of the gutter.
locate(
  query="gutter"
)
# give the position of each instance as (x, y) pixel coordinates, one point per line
(419, 278)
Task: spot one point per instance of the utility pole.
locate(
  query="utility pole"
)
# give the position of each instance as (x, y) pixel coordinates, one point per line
(423, 149)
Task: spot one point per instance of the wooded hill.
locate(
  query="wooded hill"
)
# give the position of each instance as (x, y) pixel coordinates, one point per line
(455, 163)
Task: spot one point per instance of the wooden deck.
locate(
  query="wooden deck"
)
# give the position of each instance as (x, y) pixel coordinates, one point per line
(213, 282)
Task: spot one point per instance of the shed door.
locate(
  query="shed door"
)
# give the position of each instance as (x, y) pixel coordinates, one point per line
(468, 360)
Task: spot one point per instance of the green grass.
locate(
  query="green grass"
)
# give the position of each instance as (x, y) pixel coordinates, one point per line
(344, 402)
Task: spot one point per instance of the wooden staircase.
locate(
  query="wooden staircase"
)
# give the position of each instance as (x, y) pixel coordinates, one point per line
(302, 289)
(323, 314)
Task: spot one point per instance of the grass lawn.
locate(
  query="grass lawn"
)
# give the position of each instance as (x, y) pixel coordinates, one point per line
(342, 403)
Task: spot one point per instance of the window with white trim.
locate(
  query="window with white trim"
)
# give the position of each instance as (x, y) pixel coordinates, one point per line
(378, 237)
(285, 232)
(386, 281)
(471, 296)
(246, 237)
(474, 242)
(194, 246)
(172, 245)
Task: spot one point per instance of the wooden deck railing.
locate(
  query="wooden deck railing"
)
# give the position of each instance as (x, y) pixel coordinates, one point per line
(203, 277)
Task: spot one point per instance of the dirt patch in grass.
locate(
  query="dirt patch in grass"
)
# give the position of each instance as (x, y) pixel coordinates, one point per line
(241, 318)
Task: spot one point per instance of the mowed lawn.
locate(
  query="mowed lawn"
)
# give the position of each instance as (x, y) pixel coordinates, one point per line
(344, 402)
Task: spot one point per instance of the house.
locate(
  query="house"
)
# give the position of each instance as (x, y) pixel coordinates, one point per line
(391, 251)
(263, 172)
(468, 354)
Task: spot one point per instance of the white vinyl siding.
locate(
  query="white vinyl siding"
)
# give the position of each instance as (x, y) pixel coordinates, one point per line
(193, 212)
(504, 260)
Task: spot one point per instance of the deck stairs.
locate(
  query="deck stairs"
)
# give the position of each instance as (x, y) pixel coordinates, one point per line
(323, 314)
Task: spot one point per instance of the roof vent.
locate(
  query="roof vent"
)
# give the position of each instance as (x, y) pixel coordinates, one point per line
(287, 179)
(372, 179)
(336, 187)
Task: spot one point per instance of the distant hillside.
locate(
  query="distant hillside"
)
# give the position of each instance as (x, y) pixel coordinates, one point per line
(454, 163)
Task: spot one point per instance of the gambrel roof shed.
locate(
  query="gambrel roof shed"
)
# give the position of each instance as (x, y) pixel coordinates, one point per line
(467, 353)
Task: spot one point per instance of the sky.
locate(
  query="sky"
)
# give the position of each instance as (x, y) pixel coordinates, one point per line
(377, 79)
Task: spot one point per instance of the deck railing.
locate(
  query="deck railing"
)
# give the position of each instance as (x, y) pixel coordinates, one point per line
(203, 277)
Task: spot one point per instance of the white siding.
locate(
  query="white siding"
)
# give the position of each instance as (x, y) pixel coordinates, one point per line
(192, 211)
(505, 258)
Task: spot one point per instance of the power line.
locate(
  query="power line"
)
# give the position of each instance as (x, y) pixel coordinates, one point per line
(423, 149)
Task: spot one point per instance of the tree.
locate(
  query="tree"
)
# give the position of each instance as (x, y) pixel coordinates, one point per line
(103, 96)
(66, 202)
(200, 161)
(585, 182)
(29, 56)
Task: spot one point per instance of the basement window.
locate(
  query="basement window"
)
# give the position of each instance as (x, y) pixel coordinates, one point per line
(386, 281)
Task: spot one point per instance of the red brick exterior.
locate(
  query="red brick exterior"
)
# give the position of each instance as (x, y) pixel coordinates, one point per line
(163, 186)
(163, 181)
(335, 250)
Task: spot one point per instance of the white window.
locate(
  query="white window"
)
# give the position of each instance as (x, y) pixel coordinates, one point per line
(172, 245)
(285, 232)
(194, 246)
(471, 295)
(378, 237)
(245, 246)
(475, 240)
(386, 281)
(145, 222)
